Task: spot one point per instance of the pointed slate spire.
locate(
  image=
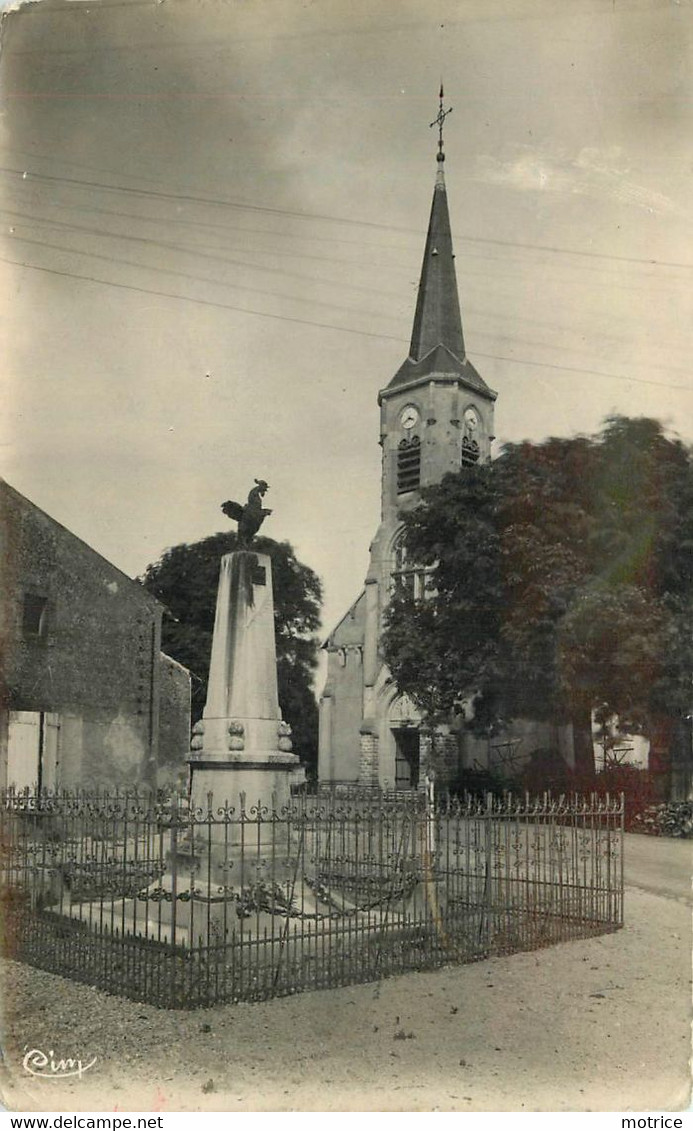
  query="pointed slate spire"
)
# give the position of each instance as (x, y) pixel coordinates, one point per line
(437, 340)
(437, 321)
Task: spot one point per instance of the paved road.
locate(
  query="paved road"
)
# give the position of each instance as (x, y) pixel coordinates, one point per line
(661, 865)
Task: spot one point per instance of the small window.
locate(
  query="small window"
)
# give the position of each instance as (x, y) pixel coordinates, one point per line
(408, 464)
(470, 451)
(407, 577)
(34, 617)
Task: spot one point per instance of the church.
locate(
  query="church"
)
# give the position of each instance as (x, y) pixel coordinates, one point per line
(436, 416)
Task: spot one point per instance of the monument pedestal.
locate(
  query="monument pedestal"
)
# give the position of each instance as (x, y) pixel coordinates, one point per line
(242, 750)
(242, 762)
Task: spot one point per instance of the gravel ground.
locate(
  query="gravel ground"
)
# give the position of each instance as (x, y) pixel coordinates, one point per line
(599, 1025)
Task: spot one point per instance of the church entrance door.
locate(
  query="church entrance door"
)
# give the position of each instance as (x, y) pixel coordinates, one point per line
(406, 758)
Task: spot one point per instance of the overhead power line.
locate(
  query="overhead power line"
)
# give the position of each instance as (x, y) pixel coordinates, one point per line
(304, 237)
(203, 251)
(194, 278)
(500, 265)
(331, 326)
(243, 286)
(295, 214)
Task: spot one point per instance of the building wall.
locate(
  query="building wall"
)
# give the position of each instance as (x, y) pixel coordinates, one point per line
(341, 717)
(174, 720)
(341, 704)
(90, 656)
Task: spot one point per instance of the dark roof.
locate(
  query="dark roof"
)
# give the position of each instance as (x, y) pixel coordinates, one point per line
(437, 340)
(437, 319)
(443, 364)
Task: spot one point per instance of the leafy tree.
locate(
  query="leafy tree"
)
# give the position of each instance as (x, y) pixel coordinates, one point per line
(560, 579)
(185, 580)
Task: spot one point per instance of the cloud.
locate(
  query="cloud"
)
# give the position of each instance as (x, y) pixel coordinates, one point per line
(592, 172)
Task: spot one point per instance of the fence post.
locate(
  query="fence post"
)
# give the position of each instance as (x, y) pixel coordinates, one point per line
(622, 849)
(173, 856)
(488, 870)
(430, 813)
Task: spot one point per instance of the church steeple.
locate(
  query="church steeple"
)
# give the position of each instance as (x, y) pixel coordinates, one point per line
(437, 320)
(437, 341)
(436, 418)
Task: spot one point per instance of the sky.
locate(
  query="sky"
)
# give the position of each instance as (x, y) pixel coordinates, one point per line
(212, 217)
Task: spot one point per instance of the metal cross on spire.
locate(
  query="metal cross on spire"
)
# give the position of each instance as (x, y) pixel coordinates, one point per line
(439, 122)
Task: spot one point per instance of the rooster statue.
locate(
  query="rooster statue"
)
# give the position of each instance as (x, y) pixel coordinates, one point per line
(249, 517)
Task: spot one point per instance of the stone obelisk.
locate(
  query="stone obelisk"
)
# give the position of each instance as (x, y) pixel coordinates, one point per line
(241, 745)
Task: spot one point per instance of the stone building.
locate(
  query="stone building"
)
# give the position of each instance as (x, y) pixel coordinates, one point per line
(87, 698)
(436, 416)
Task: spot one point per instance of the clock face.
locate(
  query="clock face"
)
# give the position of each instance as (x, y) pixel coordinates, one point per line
(471, 419)
(409, 416)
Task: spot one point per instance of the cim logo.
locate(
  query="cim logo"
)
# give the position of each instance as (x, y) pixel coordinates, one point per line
(38, 1063)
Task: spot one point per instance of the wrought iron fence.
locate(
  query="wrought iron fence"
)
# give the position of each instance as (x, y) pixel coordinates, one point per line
(184, 907)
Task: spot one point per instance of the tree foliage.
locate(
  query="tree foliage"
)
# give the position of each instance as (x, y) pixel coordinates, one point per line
(185, 580)
(559, 580)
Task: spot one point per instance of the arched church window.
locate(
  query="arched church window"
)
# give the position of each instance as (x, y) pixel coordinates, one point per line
(408, 464)
(470, 444)
(407, 576)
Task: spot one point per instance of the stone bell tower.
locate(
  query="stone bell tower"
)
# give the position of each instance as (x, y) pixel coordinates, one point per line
(436, 416)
